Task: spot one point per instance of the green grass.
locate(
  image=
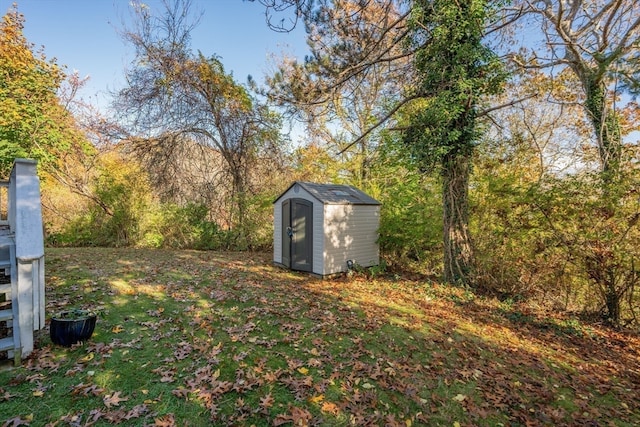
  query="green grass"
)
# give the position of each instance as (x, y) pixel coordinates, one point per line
(205, 338)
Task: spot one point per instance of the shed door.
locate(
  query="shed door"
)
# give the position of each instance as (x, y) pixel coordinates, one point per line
(286, 233)
(297, 226)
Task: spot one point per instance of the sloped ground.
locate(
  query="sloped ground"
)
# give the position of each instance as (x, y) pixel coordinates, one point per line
(205, 338)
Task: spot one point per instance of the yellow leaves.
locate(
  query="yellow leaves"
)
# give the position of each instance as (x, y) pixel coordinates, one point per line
(117, 329)
(316, 399)
(216, 374)
(460, 398)
(89, 357)
(14, 48)
(30, 111)
(303, 370)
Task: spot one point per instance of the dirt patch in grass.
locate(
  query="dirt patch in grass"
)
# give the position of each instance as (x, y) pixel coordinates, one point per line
(207, 338)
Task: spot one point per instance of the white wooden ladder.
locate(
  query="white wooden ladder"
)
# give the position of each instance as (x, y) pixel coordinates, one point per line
(10, 334)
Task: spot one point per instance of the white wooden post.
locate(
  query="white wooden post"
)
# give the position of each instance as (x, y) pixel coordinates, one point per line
(25, 307)
(25, 219)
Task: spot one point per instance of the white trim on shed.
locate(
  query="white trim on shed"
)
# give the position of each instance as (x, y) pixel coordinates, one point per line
(344, 228)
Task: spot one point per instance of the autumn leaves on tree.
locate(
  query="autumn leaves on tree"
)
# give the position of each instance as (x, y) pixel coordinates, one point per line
(33, 123)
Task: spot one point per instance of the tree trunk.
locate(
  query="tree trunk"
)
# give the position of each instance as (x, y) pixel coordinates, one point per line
(607, 131)
(239, 199)
(613, 305)
(458, 250)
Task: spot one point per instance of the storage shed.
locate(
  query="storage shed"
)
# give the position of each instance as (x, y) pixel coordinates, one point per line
(323, 228)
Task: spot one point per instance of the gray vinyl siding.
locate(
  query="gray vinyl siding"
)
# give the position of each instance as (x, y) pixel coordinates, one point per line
(318, 233)
(277, 232)
(350, 232)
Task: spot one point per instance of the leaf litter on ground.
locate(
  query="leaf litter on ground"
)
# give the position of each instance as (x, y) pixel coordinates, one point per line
(209, 338)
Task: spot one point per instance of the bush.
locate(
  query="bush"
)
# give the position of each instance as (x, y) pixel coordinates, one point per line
(411, 212)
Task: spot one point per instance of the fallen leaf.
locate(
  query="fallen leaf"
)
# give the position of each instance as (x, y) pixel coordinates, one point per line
(86, 390)
(117, 329)
(136, 412)
(330, 408)
(113, 399)
(5, 395)
(303, 370)
(165, 421)
(88, 357)
(267, 401)
(181, 392)
(300, 416)
(18, 421)
(94, 416)
(316, 399)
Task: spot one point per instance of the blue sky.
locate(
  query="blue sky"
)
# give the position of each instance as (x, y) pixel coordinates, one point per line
(82, 35)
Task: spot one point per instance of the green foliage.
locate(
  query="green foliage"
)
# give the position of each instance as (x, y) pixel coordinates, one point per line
(602, 244)
(411, 212)
(508, 229)
(258, 223)
(180, 227)
(155, 226)
(121, 199)
(33, 123)
(456, 70)
(556, 240)
(125, 212)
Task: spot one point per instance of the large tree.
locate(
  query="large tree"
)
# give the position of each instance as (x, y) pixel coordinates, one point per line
(33, 121)
(176, 96)
(433, 56)
(456, 72)
(598, 41)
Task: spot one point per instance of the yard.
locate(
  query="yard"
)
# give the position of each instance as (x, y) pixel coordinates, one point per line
(191, 338)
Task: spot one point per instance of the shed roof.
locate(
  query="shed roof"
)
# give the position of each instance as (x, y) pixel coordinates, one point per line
(335, 194)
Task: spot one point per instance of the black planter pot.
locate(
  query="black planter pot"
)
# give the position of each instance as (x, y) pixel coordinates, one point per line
(70, 327)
